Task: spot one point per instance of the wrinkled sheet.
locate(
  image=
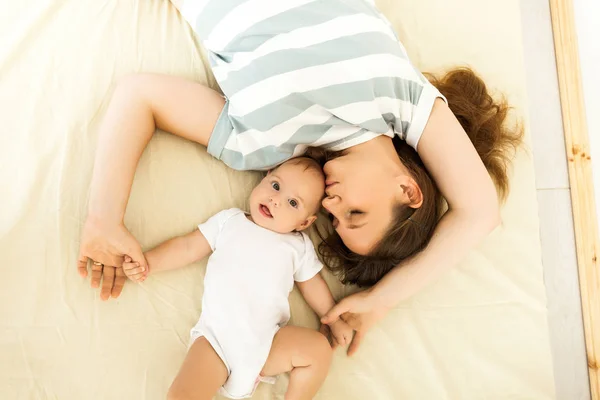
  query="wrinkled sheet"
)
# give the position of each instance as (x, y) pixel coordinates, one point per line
(479, 332)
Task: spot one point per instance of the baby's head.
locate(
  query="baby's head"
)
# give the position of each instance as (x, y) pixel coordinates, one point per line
(289, 197)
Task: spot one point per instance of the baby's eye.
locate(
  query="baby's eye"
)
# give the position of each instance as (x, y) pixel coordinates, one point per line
(293, 203)
(275, 185)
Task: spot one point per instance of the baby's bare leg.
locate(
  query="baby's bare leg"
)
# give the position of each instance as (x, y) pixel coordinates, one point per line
(304, 352)
(200, 376)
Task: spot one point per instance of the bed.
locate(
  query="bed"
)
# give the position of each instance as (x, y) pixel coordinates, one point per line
(480, 332)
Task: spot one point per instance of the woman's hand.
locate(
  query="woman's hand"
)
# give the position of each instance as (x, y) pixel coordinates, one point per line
(361, 311)
(326, 331)
(341, 332)
(106, 245)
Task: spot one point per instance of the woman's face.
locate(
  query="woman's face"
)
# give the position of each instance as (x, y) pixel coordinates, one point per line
(360, 195)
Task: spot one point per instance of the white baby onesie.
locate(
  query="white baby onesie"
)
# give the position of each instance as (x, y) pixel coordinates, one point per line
(249, 277)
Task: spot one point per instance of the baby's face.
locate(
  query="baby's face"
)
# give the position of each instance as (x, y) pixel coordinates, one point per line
(289, 197)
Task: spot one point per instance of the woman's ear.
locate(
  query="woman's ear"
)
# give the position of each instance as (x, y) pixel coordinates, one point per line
(409, 192)
(307, 222)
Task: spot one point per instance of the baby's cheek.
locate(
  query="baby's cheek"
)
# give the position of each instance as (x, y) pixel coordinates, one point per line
(284, 224)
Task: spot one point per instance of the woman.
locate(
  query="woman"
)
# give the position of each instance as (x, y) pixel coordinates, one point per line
(330, 74)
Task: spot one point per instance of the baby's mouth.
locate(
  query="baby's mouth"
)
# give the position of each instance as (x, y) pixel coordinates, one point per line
(264, 210)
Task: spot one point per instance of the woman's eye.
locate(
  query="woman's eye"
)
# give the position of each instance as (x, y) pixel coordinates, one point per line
(275, 186)
(293, 203)
(355, 212)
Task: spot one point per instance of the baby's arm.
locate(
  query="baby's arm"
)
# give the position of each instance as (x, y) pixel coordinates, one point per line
(174, 253)
(319, 298)
(317, 294)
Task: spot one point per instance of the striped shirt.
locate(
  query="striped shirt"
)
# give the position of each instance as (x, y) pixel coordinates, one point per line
(300, 73)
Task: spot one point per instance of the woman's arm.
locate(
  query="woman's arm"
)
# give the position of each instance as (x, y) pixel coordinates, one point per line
(473, 209)
(139, 105)
(473, 212)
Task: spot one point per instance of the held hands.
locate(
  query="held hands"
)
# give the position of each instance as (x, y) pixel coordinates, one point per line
(134, 271)
(341, 333)
(105, 245)
(338, 333)
(360, 312)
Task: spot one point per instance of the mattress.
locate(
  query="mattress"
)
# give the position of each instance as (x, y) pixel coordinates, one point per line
(479, 332)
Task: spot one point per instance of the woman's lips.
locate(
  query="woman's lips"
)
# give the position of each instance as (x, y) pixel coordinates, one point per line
(265, 212)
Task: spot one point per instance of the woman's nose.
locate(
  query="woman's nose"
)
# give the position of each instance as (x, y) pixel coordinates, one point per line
(331, 203)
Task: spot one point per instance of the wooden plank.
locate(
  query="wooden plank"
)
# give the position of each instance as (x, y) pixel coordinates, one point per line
(580, 177)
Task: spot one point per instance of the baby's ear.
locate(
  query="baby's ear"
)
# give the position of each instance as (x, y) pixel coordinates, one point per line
(307, 222)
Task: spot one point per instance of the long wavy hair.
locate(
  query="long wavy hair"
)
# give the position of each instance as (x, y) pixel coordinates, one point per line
(484, 120)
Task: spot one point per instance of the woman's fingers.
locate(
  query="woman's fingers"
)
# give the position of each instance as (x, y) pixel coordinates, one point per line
(337, 310)
(120, 279)
(108, 282)
(358, 337)
(340, 339)
(348, 338)
(354, 320)
(82, 262)
(96, 275)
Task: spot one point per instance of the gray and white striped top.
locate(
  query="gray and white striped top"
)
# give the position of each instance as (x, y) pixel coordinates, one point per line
(299, 73)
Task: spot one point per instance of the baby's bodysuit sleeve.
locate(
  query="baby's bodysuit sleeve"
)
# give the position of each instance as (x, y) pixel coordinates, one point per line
(309, 264)
(214, 225)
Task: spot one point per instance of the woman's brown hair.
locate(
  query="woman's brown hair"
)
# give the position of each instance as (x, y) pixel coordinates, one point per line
(484, 120)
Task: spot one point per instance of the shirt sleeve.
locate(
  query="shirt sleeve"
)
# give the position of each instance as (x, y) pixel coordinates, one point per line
(421, 114)
(213, 227)
(309, 264)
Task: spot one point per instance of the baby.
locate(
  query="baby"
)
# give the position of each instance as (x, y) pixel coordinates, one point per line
(242, 337)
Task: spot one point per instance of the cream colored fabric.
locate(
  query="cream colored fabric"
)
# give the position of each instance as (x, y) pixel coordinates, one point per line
(479, 332)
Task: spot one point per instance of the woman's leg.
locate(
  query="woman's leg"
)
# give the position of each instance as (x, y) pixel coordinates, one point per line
(200, 376)
(304, 352)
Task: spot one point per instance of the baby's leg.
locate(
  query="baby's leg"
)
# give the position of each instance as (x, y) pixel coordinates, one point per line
(304, 352)
(200, 376)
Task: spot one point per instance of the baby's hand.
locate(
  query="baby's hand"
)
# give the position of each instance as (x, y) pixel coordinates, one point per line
(134, 271)
(341, 332)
